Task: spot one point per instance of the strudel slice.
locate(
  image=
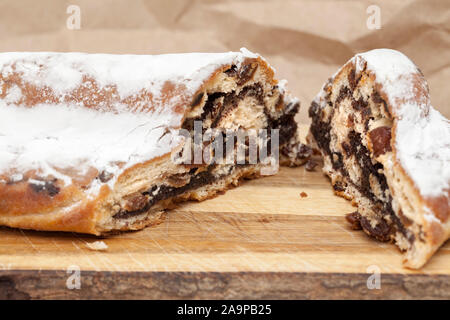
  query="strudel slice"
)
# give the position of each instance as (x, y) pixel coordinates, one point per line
(387, 149)
(96, 143)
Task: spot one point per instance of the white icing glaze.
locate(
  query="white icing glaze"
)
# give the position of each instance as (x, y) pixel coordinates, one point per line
(52, 137)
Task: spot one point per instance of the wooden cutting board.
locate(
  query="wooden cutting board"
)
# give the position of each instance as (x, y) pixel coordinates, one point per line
(261, 240)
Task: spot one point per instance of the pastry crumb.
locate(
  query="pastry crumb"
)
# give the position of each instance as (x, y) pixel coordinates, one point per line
(310, 165)
(97, 246)
(354, 219)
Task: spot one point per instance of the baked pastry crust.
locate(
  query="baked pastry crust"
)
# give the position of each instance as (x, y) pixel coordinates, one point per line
(90, 139)
(388, 150)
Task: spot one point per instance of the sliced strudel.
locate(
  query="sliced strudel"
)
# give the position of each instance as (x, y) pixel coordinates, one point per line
(387, 149)
(96, 143)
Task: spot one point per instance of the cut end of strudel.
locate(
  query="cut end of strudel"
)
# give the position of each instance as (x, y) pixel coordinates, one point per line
(388, 150)
(91, 143)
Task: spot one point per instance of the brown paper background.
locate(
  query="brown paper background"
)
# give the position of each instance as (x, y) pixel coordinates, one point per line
(305, 40)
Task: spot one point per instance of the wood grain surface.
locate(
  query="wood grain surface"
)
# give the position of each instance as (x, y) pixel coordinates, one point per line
(261, 240)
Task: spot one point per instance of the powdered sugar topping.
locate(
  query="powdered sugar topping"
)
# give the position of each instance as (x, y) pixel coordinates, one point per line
(63, 72)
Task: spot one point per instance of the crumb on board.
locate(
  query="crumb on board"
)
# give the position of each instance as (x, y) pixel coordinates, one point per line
(264, 220)
(97, 246)
(303, 194)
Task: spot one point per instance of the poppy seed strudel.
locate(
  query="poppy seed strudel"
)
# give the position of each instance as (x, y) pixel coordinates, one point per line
(387, 149)
(91, 143)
